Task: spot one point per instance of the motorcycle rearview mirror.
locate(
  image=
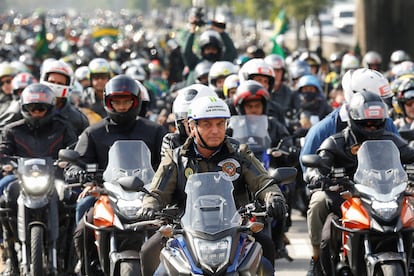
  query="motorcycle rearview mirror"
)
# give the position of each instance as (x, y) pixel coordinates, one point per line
(131, 183)
(282, 175)
(68, 155)
(314, 161)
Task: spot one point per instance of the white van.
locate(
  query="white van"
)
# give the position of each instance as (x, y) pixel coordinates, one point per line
(343, 15)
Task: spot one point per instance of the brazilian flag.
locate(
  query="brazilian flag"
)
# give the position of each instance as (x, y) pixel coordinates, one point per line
(281, 25)
(42, 47)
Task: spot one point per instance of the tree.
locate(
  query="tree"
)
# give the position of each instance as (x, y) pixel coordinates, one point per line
(384, 26)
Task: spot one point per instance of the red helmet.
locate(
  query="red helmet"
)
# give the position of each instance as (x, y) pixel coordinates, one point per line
(247, 91)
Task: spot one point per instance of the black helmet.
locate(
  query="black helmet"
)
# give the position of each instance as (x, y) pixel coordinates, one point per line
(366, 110)
(37, 96)
(211, 38)
(122, 85)
(405, 92)
(247, 91)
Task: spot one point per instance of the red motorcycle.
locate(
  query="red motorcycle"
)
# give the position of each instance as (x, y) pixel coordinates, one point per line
(374, 235)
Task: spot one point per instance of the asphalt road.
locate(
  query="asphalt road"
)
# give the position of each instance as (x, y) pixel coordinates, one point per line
(299, 249)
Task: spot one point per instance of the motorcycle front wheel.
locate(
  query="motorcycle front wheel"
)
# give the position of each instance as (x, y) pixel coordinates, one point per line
(36, 250)
(392, 268)
(129, 268)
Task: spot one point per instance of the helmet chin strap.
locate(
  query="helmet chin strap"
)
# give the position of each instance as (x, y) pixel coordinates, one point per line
(204, 144)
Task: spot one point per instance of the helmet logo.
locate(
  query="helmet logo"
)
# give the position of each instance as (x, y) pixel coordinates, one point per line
(384, 90)
(264, 71)
(374, 112)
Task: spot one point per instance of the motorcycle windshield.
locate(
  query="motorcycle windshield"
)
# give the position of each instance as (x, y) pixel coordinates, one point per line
(35, 166)
(380, 173)
(210, 207)
(251, 130)
(129, 158)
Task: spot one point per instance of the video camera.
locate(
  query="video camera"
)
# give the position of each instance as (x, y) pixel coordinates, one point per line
(198, 14)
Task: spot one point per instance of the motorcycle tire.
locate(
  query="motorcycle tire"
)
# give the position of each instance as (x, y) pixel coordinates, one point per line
(129, 268)
(392, 268)
(36, 251)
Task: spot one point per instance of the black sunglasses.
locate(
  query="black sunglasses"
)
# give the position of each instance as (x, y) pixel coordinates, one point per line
(371, 123)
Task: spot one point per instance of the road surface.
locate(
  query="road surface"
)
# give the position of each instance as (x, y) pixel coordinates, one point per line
(300, 249)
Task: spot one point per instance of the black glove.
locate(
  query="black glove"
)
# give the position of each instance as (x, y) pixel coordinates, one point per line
(146, 213)
(276, 206)
(320, 182)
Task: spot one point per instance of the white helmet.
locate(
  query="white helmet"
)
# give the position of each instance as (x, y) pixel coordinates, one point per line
(349, 61)
(231, 81)
(186, 96)
(220, 69)
(371, 57)
(82, 73)
(145, 97)
(208, 108)
(276, 61)
(136, 72)
(257, 66)
(364, 79)
(59, 67)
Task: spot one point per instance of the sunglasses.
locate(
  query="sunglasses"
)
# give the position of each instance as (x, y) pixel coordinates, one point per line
(36, 107)
(371, 123)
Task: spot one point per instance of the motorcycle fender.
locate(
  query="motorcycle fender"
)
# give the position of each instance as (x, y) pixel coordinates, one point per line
(174, 262)
(407, 212)
(53, 218)
(251, 262)
(354, 215)
(21, 219)
(103, 214)
(117, 257)
(383, 257)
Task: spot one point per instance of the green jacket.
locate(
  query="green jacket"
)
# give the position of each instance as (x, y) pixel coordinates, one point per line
(233, 159)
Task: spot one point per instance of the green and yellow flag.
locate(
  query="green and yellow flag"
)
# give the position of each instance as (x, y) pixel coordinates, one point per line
(42, 47)
(281, 25)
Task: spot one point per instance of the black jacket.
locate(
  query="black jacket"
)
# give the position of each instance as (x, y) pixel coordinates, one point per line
(21, 140)
(95, 141)
(339, 150)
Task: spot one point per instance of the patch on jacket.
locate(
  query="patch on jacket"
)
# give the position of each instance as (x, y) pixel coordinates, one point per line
(229, 169)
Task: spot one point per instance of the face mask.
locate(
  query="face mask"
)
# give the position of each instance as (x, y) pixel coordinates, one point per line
(309, 96)
(211, 57)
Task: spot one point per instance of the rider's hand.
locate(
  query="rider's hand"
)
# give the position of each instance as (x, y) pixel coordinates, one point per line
(276, 206)
(85, 192)
(73, 176)
(320, 182)
(146, 213)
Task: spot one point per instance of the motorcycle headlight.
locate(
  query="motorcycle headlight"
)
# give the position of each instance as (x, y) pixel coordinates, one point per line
(129, 208)
(36, 185)
(213, 254)
(385, 210)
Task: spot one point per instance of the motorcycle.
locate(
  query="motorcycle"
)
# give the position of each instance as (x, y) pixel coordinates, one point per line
(45, 217)
(119, 233)
(373, 236)
(212, 237)
(253, 131)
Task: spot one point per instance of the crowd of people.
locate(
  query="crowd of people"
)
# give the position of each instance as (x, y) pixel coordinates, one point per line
(178, 98)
